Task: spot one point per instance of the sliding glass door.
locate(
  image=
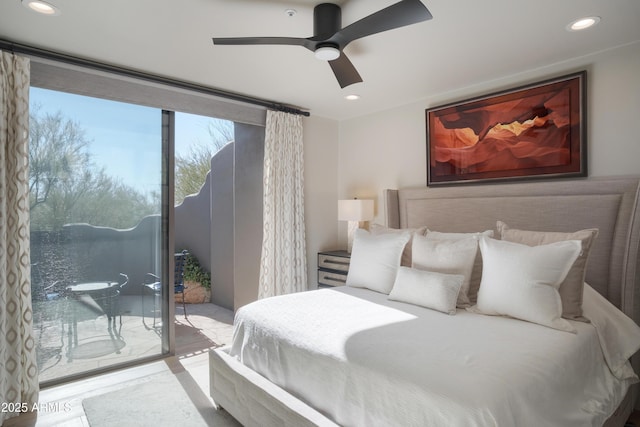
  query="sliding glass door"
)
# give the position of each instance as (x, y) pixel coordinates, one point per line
(99, 232)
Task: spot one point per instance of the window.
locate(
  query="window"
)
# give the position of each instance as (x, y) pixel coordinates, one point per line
(96, 179)
(123, 171)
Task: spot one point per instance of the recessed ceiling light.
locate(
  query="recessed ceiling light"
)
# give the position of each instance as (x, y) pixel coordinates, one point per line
(42, 7)
(352, 97)
(583, 23)
(290, 12)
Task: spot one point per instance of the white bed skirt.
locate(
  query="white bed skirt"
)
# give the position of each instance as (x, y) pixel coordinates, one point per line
(253, 400)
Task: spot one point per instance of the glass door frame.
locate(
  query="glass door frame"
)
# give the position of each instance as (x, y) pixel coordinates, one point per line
(168, 229)
(165, 259)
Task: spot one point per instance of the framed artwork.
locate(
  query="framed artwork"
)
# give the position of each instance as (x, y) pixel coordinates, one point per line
(533, 131)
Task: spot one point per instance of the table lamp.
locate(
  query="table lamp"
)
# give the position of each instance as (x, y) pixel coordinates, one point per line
(355, 211)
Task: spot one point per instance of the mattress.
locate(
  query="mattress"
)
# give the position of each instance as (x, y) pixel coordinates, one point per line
(363, 360)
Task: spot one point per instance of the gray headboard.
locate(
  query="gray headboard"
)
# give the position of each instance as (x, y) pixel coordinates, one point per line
(610, 204)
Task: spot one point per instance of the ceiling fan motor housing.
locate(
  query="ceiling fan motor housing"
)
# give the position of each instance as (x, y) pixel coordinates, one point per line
(327, 20)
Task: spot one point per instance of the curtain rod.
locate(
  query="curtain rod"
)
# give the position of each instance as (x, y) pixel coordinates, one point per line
(74, 60)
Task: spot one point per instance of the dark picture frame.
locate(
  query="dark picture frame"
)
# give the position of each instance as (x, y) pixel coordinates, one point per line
(529, 132)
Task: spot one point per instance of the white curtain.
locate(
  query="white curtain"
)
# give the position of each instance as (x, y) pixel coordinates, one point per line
(283, 267)
(18, 367)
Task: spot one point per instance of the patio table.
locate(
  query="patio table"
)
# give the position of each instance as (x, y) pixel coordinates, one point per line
(97, 296)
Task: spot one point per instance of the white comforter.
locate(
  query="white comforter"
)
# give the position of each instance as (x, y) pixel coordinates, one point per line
(365, 361)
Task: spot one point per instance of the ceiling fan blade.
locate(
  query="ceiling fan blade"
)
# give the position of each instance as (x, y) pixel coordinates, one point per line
(292, 41)
(344, 70)
(403, 13)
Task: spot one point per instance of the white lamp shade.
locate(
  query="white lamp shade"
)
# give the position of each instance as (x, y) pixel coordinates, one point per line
(355, 210)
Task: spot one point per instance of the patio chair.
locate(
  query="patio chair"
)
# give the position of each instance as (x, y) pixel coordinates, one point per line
(50, 307)
(45, 292)
(50, 298)
(117, 311)
(155, 287)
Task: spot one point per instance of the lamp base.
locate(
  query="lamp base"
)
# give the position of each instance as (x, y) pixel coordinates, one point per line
(351, 231)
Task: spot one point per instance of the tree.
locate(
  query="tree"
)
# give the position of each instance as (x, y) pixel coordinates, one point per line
(221, 132)
(67, 187)
(192, 169)
(57, 148)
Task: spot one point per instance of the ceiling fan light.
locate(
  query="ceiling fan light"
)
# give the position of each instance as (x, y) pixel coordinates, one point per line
(327, 53)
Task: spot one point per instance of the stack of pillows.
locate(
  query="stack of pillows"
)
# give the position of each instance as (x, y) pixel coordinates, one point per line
(528, 275)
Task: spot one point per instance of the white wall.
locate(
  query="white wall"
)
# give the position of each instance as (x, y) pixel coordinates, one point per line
(614, 113)
(360, 157)
(388, 149)
(321, 189)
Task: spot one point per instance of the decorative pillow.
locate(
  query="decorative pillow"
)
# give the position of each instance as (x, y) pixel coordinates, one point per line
(522, 281)
(436, 291)
(571, 289)
(447, 257)
(406, 254)
(375, 260)
(476, 273)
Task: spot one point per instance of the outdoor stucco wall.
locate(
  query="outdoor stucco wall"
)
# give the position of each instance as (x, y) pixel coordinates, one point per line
(86, 253)
(204, 225)
(220, 238)
(222, 225)
(192, 220)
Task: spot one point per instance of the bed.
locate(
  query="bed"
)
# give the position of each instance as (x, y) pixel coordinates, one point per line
(352, 356)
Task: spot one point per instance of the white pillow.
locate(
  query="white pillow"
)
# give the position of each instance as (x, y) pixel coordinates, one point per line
(436, 291)
(406, 254)
(571, 289)
(375, 260)
(522, 281)
(476, 273)
(447, 257)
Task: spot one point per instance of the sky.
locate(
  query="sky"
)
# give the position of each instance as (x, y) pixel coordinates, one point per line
(124, 138)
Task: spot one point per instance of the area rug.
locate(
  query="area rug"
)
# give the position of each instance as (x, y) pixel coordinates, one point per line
(163, 400)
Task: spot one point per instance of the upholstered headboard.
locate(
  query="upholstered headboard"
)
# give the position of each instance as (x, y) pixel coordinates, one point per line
(610, 204)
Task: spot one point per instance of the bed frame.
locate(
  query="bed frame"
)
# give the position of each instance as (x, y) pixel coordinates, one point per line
(611, 204)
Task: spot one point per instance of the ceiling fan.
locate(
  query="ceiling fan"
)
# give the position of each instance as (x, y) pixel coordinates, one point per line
(329, 38)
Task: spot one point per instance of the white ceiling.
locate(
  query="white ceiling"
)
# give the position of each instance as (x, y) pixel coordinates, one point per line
(467, 42)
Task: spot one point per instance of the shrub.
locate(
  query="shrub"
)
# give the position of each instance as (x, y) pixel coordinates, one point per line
(193, 272)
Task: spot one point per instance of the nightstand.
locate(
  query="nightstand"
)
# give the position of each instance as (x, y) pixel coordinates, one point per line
(333, 267)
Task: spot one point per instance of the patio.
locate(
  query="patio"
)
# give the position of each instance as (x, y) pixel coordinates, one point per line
(64, 351)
